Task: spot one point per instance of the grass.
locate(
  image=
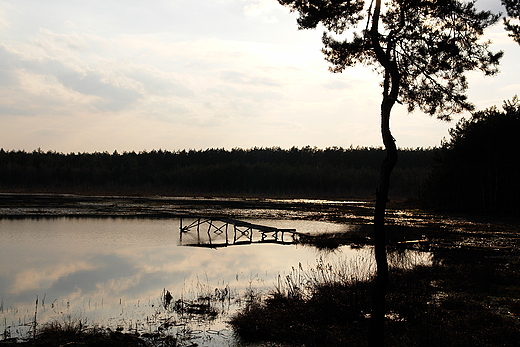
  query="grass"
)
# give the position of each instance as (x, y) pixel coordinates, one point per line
(77, 333)
(360, 236)
(171, 330)
(459, 300)
(318, 306)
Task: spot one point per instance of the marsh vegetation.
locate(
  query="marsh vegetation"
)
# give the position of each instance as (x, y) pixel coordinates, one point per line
(454, 279)
(459, 300)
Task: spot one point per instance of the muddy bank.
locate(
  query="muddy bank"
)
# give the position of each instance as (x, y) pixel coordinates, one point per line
(72, 205)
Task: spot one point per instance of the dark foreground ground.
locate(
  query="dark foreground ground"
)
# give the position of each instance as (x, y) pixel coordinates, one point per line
(468, 296)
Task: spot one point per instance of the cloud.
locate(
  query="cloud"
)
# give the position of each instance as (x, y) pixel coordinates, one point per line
(160, 82)
(143, 74)
(40, 76)
(336, 85)
(94, 75)
(36, 279)
(263, 9)
(71, 41)
(243, 78)
(4, 23)
(115, 86)
(18, 110)
(112, 97)
(107, 266)
(8, 66)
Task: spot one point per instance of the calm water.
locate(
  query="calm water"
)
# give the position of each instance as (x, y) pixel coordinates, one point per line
(114, 271)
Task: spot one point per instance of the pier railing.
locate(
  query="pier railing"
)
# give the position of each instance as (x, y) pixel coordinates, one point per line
(222, 232)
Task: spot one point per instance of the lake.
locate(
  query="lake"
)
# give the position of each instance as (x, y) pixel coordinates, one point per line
(114, 272)
(116, 262)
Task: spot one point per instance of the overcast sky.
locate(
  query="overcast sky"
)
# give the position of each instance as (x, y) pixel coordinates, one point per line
(133, 75)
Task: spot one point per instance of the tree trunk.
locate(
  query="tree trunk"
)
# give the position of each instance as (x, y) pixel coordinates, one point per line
(391, 86)
(377, 330)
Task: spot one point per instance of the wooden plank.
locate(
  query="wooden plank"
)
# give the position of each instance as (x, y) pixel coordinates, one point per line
(242, 232)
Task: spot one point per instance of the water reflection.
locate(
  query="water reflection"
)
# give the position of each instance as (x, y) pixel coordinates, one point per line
(217, 232)
(113, 271)
(97, 268)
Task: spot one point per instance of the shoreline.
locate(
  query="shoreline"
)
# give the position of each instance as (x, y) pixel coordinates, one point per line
(406, 226)
(20, 205)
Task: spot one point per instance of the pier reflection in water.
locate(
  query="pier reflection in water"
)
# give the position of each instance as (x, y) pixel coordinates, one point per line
(114, 271)
(217, 232)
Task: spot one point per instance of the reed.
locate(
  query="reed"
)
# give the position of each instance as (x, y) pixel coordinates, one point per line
(434, 304)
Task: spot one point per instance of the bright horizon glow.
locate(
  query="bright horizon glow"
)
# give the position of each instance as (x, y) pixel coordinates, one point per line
(96, 76)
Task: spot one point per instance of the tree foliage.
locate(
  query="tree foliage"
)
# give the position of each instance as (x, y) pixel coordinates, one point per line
(513, 11)
(301, 172)
(423, 47)
(477, 169)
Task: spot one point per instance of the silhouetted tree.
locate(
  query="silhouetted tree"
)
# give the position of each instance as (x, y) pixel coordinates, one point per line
(422, 49)
(513, 11)
(478, 169)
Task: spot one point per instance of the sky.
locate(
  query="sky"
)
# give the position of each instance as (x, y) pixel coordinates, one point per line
(131, 75)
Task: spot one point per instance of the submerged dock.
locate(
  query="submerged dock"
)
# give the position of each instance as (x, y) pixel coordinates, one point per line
(222, 232)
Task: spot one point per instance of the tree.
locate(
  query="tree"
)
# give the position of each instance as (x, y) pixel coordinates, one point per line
(477, 168)
(422, 49)
(513, 11)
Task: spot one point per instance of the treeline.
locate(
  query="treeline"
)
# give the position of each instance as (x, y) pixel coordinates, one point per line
(298, 172)
(478, 169)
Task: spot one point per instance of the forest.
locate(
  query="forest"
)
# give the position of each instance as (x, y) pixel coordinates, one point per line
(476, 170)
(296, 172)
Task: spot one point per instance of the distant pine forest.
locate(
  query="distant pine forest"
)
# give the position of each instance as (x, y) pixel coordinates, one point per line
(263, 172)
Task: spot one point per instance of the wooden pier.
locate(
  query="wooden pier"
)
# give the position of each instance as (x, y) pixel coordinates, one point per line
(217, 232)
